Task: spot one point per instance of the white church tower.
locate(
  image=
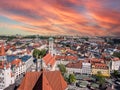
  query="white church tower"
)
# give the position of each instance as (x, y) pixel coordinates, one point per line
(51, 45)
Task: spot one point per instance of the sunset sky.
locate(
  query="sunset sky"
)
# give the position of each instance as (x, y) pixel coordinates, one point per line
(52, 17)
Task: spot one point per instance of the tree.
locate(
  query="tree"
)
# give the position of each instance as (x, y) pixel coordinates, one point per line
(100, 78)
(62, 68)
(72, 78)
(115, 73)
(38, 54)
(85, 38)
(116, 54)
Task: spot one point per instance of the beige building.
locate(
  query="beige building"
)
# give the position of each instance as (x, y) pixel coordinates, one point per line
(100, 67)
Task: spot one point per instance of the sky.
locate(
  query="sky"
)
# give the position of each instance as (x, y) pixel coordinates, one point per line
(60, 17)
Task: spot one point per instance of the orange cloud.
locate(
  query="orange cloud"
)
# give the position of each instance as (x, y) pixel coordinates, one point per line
(62, 17)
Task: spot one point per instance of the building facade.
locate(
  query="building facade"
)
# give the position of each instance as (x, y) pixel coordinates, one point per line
(6, 77)
(79, 67)
(100, 67)
(18, 68)
(115, 64)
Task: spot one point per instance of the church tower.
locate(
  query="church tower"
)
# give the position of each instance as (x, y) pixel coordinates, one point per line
(51, 46)
(2, 53)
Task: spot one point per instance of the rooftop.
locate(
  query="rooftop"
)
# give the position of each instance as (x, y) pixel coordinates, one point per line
(16, 62)
(44, 80)
(25, 58)
(49, 59)
(2, 50)
(75, 65)
(100, 66)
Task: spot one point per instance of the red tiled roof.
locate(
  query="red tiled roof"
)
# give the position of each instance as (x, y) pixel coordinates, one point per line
(16, 62)
(100, 66)
(29, 80)
(2, 50)
(71, 58)
(95, 60)
(58, 57)
(49, 59)
(75, 65)
(44, 80)
(72, 51)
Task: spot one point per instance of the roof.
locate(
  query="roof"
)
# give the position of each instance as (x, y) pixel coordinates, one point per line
(70, 57)
(25, 58)
(2, 50)
(10, 58)
(44, 80)
(74, 65)
(49, 59)
(16, 62)
(100, 66)
(95, 60)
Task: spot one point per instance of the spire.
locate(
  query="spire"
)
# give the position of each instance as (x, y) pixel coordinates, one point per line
(2, 50)
(51, 45)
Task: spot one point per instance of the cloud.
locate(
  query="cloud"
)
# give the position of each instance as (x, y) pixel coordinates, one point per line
(83, 17)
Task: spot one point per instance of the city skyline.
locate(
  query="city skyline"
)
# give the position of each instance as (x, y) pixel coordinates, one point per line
(69, 17)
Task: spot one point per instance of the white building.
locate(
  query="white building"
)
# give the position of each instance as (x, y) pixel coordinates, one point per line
(14, 70)
(28, 61)
(6, 77)
(115, 64)
(65, 59)
(18, 68)
(49, 62)
(79, 67)
(86, 68)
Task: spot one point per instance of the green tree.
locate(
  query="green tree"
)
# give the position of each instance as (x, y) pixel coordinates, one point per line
(72, 78)
(62, 68)
(115, 73)
(100, 78)
(85, 38)
(116, 54)
(38, 54)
